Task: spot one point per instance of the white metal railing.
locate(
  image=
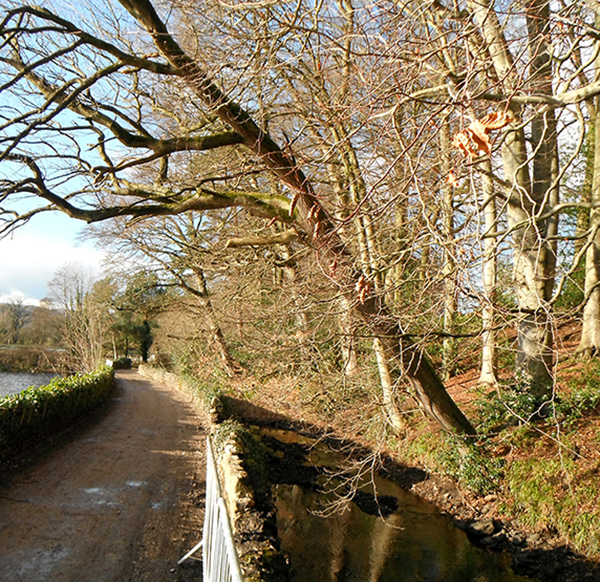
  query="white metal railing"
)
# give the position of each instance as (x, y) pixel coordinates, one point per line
(219, 557)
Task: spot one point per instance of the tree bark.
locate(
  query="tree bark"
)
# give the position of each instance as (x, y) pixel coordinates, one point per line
(533, 239)
(589, 344)
(590, 334)
(348, 347)
(216, 334)
(389, 404)
(449, 268)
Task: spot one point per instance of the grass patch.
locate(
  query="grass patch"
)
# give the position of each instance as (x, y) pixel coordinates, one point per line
(549, 494)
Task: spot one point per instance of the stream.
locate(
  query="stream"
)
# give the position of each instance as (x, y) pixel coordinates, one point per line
(374, 531)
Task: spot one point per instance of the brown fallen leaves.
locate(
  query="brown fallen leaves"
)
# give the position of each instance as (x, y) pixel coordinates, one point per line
(476, 137)
(363, 288)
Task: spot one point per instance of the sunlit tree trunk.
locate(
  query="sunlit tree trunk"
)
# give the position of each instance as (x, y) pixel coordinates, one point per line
(348, 343)
(590, 333)
(533, 237)
(589, 344)
(216, 334)
(449, 268)
(488, 351)
(389, 402)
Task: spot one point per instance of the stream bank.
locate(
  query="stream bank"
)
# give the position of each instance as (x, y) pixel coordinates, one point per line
(541, 556)
(328, 522)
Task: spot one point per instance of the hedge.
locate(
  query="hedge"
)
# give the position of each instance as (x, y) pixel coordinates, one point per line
(38, 412)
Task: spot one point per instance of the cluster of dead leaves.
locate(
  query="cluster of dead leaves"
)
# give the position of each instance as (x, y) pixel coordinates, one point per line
(363, 288)
(476, 137)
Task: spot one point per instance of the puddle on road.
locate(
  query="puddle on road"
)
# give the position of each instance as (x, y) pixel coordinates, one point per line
(102, 496)
(147, 431)
(42, 563)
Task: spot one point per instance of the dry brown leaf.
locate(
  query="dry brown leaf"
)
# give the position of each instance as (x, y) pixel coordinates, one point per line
(452, 179)
(497, 120)
(462, 142)
(362, 288)
(478, 132)
(476, 137)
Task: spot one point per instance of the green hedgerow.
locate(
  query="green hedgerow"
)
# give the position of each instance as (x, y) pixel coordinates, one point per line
(36, 412)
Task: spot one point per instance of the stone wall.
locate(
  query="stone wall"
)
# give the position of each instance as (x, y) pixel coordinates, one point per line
(257, 548)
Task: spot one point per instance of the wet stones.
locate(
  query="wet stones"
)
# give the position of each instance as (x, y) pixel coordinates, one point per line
(481, 529)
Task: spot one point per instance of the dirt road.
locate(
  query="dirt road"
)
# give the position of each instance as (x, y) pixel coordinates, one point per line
(119, 503)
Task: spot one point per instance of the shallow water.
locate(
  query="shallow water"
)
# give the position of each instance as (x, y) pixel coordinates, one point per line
(13, 383)
(413, 542)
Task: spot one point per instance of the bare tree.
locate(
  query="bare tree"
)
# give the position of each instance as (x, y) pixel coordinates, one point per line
(111, 65)
(16, 317)
(176, 250)
(85, 320)
(334, 120)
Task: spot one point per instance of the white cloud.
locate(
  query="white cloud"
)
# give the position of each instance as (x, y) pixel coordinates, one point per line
(28, 262)
(15, 294)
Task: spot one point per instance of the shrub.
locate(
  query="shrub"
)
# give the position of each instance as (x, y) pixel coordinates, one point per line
(122, 363)
(471, 465)
(510, 405)
(37, 412)
(583, 397)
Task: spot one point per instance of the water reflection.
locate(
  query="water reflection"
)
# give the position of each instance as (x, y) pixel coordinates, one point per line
(412, 543)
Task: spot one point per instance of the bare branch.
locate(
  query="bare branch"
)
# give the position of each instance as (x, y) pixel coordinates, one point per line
(280, 238)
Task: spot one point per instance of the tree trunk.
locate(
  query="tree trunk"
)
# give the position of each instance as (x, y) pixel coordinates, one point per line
(302, 320)
(488, 350)
(348, 347)
(313, 223)
(415, 367)
(449, 268)
(533, 238)
(389, 404)
(216, 334)
(590, 333)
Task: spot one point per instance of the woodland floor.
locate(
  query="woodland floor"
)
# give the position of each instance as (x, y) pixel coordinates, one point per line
(118, 500)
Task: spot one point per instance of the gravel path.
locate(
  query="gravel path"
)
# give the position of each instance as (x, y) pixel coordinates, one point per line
(121, 502)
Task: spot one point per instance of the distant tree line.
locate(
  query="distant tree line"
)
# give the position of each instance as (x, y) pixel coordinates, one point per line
(83, 321)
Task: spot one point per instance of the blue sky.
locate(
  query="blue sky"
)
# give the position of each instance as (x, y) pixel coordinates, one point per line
(31, 255)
